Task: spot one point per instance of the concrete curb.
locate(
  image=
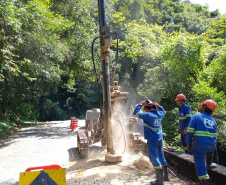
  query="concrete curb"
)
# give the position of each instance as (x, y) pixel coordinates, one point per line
(185, 164)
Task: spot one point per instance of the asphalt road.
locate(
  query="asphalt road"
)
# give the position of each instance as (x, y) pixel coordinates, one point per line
(42, 144)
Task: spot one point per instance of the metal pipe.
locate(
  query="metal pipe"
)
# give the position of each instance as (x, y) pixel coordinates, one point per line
(107, 108)
(105, 43)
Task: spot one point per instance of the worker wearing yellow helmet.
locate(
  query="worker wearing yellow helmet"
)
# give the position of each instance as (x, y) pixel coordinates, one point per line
(184, 115)
(201, 138)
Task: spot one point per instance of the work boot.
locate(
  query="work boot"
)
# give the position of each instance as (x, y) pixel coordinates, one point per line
(209, 158)
(206, 182)
(187, 152)
(165, 173)
(159, 177)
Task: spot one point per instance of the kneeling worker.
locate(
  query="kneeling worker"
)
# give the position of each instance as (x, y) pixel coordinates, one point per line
(201, 138)
(152, 119)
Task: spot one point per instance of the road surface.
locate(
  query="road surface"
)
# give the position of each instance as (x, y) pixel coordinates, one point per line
(54, 143)
(37, 145)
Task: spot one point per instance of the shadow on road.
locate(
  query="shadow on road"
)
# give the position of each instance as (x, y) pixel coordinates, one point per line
(42, 131)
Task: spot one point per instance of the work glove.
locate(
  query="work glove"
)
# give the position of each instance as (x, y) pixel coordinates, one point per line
(189, 147)
(178, 131)
(185, 130)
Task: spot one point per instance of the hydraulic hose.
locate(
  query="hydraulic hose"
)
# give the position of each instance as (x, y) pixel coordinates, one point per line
(95, 69)
(94, 65)
(116, 59)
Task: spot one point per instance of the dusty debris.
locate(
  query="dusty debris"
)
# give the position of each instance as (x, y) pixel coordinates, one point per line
(143, 164)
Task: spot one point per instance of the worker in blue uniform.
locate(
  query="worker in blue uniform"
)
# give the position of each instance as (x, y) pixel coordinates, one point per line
(152, 120)
(184, 115)
(201, 138)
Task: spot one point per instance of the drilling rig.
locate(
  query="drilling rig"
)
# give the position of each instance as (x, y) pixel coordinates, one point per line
(99, 121)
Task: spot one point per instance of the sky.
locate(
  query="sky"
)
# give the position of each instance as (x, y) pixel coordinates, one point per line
(213, 4)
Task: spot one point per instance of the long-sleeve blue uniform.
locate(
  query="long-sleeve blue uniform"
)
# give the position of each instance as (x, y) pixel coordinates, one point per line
(201, 133)
(153, 133)
(184, 115)
(152, 122)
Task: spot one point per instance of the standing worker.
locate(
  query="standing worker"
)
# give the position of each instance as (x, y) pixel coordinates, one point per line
(184, 115)
(201, 138)
(152, 119)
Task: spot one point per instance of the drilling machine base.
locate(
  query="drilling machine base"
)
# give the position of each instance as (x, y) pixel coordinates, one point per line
(113, 158)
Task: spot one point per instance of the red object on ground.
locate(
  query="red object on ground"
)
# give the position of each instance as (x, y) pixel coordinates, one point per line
(72, 120)
(74, 124)
(47, 167)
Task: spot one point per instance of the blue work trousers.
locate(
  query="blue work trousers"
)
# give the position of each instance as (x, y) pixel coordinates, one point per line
(200, 164)
(184, 142)
(156, 154)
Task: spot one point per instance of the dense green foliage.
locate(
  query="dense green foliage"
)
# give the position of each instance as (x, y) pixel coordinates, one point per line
(45, 58)
(182, 50)
(6, 127)
(166, 47)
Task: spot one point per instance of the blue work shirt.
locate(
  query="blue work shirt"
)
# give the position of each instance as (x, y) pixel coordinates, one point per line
(152, 122)
(184, 115)
(202, 133)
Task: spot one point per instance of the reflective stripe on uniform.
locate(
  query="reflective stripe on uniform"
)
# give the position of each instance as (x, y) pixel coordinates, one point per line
(137, 114)
(192, 130)
(204, 133)
(213, 134)
(188, 115)
(181, 118)
(158, 167)
(152, 128)
(204, 177)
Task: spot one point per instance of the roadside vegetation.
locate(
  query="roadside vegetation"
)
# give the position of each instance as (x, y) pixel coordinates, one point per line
(6, 127)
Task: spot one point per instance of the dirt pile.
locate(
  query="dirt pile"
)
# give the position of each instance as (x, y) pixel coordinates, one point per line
(143, 164)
